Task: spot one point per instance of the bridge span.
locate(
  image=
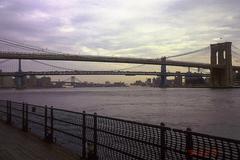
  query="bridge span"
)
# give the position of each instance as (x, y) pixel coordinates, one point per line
(221, 68)
(108, 59)
(126, 73)
(68, 57)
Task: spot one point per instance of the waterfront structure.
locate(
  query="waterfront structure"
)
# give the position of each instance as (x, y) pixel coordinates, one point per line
(6, 82)
(195, 81)
(221, 68)
(178, 80)
(221, 65)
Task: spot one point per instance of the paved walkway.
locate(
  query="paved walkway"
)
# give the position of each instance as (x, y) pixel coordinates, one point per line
(17, 145)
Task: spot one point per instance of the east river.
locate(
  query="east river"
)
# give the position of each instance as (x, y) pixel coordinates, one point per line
(211, 111)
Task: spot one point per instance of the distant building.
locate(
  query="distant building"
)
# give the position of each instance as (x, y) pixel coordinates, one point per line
(178, 80)
(170, 83)
(107, 84)
(44, 82)
(148, 82)
(119, 84)
(31, 82)
(156, 82)
(236, 78)
(34, 82)
(138, 83)
(194, 80)
(7, 82)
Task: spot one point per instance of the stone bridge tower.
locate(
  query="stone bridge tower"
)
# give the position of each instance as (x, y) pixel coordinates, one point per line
(19, 77)
(221, 65)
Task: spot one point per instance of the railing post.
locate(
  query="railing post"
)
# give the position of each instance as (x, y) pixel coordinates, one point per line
(26, 121)
(84, 134)
(45, 123)
(189, 144)
(23, 116)
(9, 112)
(51, 134)
(95, 137)
(163, 141)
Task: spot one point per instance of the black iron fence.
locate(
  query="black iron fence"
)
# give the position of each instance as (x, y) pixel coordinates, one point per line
(98, 137)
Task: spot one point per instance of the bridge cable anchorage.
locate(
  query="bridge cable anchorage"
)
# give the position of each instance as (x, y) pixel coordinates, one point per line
(187, 53)
(25, 46)
(54, 66)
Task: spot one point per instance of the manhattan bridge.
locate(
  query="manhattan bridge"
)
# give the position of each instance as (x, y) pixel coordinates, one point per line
(221, 70)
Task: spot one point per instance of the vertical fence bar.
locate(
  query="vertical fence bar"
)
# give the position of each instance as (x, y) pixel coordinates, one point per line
(84, 134)
(189, 144)
(23, 116)
(95, 136)
(10, 112)
(26, 121)
(45, 123)
(7, 121)
(51, 140)
(163, 141)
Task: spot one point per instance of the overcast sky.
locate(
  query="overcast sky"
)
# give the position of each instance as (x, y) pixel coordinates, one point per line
(133, 28)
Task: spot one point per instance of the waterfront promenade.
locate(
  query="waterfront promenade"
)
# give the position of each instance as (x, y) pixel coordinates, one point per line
(17, 145)
(100, 137)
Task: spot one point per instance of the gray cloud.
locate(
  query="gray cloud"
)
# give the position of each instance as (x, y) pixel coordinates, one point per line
(146, 28)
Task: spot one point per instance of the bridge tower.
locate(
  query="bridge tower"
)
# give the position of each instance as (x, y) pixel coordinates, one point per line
(19, 78)
(221, 65)
(163, 77)
(73, 81)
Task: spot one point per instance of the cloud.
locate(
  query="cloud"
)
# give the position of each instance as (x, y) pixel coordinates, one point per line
(146, 28)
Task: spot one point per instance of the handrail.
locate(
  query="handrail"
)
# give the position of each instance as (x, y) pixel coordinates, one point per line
(119, 137)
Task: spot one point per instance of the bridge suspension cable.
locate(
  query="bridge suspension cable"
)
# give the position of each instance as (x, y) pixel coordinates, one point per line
(236, 55)
(9, 45)
(19, 45)
(54, 66)
(122, 69)
(70, 69)
(26, 46)
(4, 61)
(236, 47)
(188, 53)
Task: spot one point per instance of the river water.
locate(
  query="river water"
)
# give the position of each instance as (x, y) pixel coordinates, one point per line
(211, 111)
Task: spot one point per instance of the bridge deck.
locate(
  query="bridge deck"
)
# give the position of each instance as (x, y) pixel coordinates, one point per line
(17, 145)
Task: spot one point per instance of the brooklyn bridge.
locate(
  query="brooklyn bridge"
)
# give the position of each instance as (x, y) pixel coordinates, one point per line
(220, 70)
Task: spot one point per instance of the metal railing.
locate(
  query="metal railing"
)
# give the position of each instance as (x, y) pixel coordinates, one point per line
(98, 137)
